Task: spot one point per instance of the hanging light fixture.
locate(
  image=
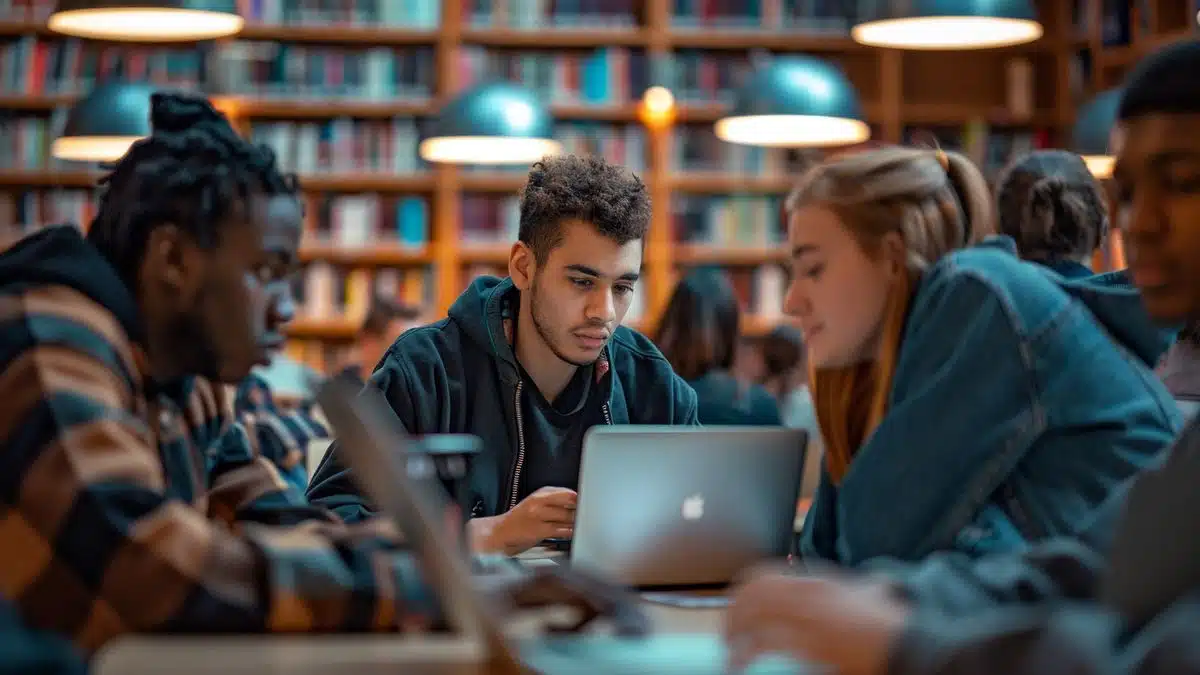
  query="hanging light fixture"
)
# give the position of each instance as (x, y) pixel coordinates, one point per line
(101, 126)
(1095, 131)
(147, 20)
(496, 123)
(948, 24)
(795, 102)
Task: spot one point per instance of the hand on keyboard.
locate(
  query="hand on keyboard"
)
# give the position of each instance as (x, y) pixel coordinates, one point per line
(845, 623)
(592, 598)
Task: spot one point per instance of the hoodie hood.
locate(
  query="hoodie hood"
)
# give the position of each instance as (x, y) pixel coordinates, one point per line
(60, 255)
(480, 312)
(1117, 305)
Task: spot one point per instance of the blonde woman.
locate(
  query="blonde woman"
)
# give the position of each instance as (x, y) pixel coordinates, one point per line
(968, 400)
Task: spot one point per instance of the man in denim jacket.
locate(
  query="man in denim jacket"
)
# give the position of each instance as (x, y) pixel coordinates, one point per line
(1041, 611)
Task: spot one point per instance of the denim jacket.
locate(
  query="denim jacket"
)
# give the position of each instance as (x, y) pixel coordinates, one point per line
(1020, 399)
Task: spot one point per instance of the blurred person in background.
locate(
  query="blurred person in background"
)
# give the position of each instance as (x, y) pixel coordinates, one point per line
(784, 373)
(1054, 210)
(699, 334)
(385, 321)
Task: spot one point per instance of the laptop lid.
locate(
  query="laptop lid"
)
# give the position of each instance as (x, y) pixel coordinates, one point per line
(404, 485)
(665, 506)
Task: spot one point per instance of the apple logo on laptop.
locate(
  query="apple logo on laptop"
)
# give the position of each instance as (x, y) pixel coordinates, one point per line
(693, 508)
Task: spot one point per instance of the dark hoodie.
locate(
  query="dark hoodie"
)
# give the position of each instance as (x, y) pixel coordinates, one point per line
(460, 375)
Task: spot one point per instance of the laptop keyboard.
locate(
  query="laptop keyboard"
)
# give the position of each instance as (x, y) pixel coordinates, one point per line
(497, 565)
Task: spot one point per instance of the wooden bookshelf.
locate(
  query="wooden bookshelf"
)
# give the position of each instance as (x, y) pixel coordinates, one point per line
(1148, 25)
(898, 90)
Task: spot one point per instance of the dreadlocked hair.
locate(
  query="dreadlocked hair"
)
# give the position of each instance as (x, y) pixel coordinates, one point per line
(193, 171)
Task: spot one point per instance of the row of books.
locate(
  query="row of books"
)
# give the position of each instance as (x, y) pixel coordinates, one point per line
(532, 14)
(359, 222)
(336, 146)
(327, 292)
(601, 76)
(813, 16)
(419, 14)
(740, 221)
(362, 221)
(608, 75)
(262, 68)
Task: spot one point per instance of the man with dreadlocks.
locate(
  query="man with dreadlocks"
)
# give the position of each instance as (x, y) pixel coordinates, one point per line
(129, 502)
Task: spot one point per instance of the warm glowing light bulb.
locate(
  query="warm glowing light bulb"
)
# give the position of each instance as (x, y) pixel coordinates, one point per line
(658, 100)
(1101, 166)
(658, 107)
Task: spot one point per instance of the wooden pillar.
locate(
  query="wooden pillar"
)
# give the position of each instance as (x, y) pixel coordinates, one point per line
(446, 228)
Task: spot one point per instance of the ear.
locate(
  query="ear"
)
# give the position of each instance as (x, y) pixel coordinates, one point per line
(894, 254)
(174, 262)
(521, 266)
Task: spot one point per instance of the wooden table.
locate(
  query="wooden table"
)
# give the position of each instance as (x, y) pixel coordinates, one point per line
(343, 654)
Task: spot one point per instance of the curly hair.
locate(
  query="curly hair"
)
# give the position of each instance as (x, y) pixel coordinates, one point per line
(589, 189)
(1052, 206)
(192, 171)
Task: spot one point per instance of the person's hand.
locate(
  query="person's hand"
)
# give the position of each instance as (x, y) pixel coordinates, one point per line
(844, 623)
(589, 597)
(546, 514)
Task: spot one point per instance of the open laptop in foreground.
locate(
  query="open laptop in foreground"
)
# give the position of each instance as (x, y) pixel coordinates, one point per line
(663, 506)
(373, 443)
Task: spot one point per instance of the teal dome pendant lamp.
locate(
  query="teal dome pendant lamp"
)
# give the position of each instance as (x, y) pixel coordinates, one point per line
(1093, 134)
(495, 123)
(103, 125)
(795, 102)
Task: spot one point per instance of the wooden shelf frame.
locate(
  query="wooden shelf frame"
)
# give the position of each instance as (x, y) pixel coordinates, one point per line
(448, 257)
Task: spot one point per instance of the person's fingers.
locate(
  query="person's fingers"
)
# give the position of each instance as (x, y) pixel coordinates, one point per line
(556, 515)
(763, 637)
(560, 497)
(590, 596)
(552, 531)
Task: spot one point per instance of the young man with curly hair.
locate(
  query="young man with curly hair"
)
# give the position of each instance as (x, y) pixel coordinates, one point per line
(530, 362)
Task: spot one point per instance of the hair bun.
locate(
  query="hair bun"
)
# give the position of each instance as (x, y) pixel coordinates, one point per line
(1050, 188)
(175, 112)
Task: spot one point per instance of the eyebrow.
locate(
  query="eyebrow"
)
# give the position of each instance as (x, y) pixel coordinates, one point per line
(588, 271)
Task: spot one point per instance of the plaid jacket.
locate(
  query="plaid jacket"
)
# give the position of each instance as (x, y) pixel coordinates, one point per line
(126, 508)
(280, 436)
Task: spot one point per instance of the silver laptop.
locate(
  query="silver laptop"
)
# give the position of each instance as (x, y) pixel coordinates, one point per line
(663, 506)
(374, 445)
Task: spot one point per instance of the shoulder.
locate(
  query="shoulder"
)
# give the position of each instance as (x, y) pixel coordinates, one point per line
(639, 365)
(434, 343)
(988, 279)
(37, 316)
(632, 352)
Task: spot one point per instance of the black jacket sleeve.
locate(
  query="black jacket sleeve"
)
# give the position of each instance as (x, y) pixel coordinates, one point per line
(1081, 638)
